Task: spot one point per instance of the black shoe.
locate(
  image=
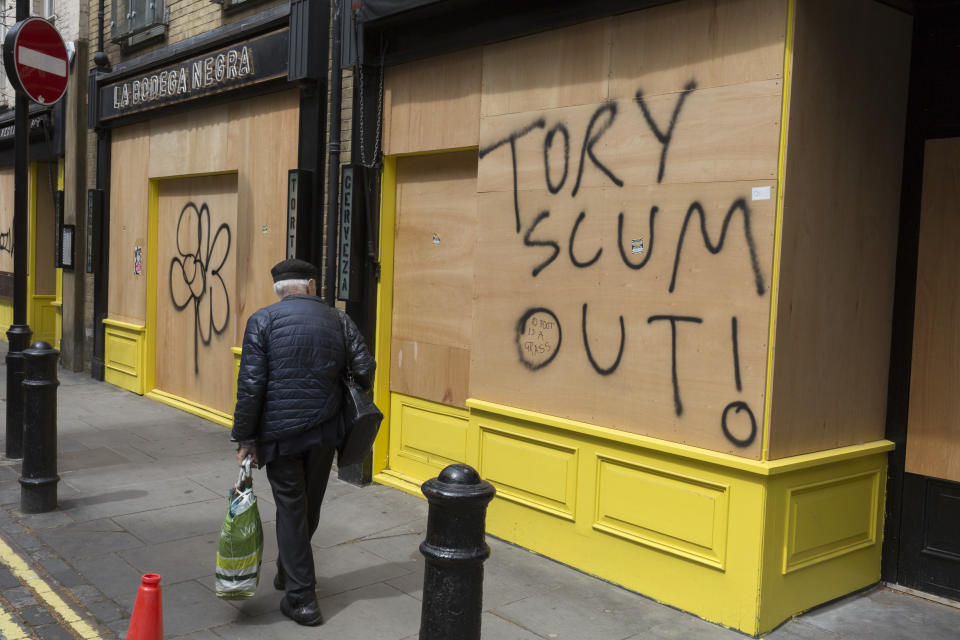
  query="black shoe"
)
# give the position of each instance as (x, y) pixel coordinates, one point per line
(306, 613)
(278, 581)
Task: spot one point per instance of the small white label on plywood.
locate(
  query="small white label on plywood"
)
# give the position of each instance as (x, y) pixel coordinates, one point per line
(761, 193)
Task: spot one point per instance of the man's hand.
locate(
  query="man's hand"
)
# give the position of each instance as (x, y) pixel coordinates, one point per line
(243, 452)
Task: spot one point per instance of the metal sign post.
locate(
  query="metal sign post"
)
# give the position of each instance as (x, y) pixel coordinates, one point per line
(35, 60)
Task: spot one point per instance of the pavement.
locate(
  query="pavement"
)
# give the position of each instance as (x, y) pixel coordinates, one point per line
(142, 489)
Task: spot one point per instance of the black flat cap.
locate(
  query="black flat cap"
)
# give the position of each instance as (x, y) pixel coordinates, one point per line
(293, 269)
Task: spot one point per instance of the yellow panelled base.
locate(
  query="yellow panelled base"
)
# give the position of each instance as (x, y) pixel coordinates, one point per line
(425, 437)
(43, 317)
(124, 355)
(237, 352)
(6, 316)
(213, 415)
(824, 535)
(743, 543)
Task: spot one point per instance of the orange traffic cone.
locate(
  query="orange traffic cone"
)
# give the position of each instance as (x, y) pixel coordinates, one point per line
(146, 623)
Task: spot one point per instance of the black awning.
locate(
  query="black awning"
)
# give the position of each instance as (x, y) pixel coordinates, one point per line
(373, 10)
(412, 29)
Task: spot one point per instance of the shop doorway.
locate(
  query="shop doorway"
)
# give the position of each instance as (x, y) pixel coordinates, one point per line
(43, 314)
(930, 520)
(432, 312)
(196, 290)
(43, 277)
(922, 537)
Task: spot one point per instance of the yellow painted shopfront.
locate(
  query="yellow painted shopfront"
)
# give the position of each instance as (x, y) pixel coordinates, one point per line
(44, 277)
(638, 271)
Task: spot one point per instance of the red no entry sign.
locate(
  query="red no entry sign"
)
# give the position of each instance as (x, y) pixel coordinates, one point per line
(35, 59)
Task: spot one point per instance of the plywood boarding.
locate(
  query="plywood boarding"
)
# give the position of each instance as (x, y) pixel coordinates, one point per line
(264, 140)
(257, 138)
(841, 205)
(933, 430)
(655, 324)
(721, 134)
(432, 104)
(196, 289)
(709, 43)
(127, 290)
(433, 288)
(45, 274)
(554, 69)
(6, 220)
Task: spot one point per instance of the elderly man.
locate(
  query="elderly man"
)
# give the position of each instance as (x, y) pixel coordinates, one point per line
(287, 417)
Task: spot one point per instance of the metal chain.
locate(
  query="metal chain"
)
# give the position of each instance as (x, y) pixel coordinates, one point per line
(372, 162)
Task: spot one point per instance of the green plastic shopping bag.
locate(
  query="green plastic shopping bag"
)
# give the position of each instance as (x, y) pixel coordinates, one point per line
(240, 549)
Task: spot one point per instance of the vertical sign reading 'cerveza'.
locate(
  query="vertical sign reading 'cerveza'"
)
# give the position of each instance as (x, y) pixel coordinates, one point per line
(242, 64)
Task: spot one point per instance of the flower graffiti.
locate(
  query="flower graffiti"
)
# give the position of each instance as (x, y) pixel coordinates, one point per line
(196, 274)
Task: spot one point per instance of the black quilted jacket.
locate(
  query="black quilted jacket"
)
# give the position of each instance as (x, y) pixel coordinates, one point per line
(294, 354)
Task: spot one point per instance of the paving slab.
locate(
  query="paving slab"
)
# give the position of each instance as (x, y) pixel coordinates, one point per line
(189, 607)
(135, 498)
(385, 613)
(495, 628)
(88, 539)
(108, 574)
(349, 567)
(170, 524)
(881, 611)
(176, 561)
(143, 488)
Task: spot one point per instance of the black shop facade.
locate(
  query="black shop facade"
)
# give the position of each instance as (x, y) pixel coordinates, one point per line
(208, 173)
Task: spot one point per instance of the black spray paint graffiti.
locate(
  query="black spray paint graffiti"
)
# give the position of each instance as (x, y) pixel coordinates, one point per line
(664, 138)
(512, 140)
(586, 345)
(6, 241)
(538, 348)
(538, 342)
(527, 241)
(678, 405)
(199, 267)
(738, 205)
(538, 338)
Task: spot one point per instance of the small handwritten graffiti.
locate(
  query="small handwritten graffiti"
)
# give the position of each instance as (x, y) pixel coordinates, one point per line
(6, 241)
(538, 338)
(138, 261)
(196, 274)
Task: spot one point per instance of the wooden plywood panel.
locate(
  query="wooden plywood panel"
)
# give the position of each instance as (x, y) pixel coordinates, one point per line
(435, 372)
(45, 274)
(661, 49)
(432, 104)
(262, 193)
(6, 220)
(584, 317)
(933, 430)
(190, 143)
(721, 134)
(433, 263)
(127, 291)
(840, 213)
(196, 289)
(558, 68)
(624, 259)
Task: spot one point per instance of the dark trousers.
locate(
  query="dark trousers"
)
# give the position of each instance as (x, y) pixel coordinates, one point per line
(299, 482)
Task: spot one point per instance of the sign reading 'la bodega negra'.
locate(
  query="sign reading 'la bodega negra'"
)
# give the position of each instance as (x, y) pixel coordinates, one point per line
(242, 64)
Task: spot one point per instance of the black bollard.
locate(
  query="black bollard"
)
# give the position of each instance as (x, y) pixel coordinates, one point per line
(38, 479)
(18, 338)
(454, 549)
